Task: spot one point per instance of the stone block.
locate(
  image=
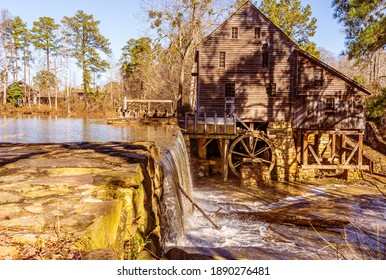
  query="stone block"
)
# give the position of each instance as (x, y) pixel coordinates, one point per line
(255, 175)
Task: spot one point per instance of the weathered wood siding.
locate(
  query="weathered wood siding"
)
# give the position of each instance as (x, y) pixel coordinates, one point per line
(299, 98)
(243, 67)
(312, 109)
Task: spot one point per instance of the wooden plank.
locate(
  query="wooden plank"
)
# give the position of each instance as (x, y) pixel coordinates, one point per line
(336, 167)
(314, 154)
(352, 154)
(225, 160)
(343, 148)
(333, 147)
(360, 149)
(305, 149)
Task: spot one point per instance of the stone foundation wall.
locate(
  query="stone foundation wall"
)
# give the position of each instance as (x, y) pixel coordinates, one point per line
(281, 136)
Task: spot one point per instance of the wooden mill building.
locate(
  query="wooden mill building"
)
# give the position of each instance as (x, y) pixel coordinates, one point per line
(252, 77)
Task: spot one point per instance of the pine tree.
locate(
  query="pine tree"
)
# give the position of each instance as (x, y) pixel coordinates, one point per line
(365, 25)
(6, 49)
(87, 42)
(44, 37)
(18, 32)
(295, 21)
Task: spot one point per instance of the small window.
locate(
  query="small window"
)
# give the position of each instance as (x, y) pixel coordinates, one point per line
(330, 105)
(230, 90)
(257, 32)
(318, 77)
(264, 56)
(271, 89)
(235, 32)
(221, 59)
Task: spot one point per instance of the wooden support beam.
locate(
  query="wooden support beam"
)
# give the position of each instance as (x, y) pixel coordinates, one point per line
(352, 154)
(326, 147)
(360, 149)
(333, 147)
(201, 150)
(335, 167)
(207, 143)
(299, 146)
(314, 154)
(225, 170)
(343, 148)
(305, 148)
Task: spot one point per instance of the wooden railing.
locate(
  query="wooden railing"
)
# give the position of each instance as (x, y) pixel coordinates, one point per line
(210, 123)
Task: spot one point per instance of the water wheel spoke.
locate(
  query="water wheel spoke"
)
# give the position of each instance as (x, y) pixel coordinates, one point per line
(266, 161)
(262, 150)
(246, 147)
(240, 154)
(254, 145)
(237, 164)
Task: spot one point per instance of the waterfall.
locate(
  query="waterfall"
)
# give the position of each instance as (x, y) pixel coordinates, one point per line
(174, 205)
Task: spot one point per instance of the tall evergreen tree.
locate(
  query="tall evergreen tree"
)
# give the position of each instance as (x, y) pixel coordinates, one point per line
(87, 42)
(19, 32)
(296, 21)
(365, 25)
(44, 37)
(6, 49)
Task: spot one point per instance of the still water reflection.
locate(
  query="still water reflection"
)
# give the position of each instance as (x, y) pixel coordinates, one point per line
(50, 129)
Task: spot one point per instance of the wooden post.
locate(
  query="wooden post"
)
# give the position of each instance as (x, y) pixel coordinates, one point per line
(201, 148)
(225, 160)
(360, 149)
(333, 147)
(343, 149)
(305, 149)
(299, 146)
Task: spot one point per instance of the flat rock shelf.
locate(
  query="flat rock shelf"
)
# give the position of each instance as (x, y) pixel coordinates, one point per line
(79, 201)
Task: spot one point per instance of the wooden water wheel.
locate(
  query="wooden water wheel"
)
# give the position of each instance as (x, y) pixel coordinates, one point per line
(252, 149)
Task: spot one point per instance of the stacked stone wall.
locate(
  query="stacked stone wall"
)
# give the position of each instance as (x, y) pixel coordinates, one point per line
(281, 137)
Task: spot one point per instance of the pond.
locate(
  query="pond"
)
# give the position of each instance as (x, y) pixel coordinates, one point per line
(50, 129)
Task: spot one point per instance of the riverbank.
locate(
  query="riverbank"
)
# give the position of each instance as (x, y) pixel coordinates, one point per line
(45, 110)
(80, 201)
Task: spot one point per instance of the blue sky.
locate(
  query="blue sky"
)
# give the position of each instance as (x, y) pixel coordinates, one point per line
(122, 20)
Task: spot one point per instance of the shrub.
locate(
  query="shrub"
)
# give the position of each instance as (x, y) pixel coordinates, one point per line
(376, 106)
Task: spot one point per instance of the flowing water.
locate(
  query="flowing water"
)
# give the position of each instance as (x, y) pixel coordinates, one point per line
(232, 207)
